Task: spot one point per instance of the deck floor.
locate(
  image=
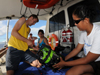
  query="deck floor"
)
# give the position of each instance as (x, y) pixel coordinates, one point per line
(3, 69)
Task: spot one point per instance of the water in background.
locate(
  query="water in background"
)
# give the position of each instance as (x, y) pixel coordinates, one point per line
(2, 44)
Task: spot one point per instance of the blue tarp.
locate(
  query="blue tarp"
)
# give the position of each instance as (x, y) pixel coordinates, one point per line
(26, 68)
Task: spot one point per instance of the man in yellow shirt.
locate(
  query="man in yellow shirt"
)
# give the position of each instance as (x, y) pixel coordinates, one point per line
(18, 45)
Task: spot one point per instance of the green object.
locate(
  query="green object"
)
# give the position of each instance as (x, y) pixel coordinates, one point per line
(46, 54)
(31, 49)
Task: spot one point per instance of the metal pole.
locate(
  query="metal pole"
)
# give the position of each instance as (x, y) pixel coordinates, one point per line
(7, 32)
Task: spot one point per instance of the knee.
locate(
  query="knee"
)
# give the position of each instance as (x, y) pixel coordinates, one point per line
(10, 72)
(69, 73)
(77, 70)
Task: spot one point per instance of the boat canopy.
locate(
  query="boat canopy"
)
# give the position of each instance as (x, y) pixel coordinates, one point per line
(15, 8)
(40, 4)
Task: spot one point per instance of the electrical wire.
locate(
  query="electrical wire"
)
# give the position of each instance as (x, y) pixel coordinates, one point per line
(68, 2)
(64, 5)
(21, 8)
(25, 11)
(43, 14)
(52, 11)
(38, 12)
(46, 11)
(58, 3)
(30, 10)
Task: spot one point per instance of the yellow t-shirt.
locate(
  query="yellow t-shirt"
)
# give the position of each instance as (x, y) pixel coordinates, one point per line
(19, 44)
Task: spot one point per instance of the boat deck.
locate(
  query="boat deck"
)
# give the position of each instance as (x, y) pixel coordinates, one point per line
(3, 69)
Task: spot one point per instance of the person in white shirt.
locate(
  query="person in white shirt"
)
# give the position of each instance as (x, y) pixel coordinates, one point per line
(89, 40)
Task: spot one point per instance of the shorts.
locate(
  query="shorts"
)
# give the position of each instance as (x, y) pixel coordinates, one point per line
(96, 67)
(15, 56)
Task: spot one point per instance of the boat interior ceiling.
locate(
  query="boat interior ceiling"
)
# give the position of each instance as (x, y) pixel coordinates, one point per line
(14, 9)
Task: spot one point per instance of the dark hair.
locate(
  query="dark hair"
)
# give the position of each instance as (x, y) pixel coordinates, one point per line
(84, 11)
(34, 16)
(41, 31)
(30, 33)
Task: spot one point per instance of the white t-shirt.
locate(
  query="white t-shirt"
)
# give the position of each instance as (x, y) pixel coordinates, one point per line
(92, 41)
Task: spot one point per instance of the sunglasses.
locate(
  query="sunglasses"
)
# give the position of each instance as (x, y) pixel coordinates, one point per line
(77, 21)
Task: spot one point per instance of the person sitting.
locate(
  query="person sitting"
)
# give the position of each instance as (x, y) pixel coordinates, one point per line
(83, 17)
(42, 40)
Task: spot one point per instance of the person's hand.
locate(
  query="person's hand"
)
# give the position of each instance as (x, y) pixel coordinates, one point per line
(66, 58)
(36, 48)
(60, 65)
(36, 63)
(30, 44)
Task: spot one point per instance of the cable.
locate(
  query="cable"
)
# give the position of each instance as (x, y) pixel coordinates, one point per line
(52, 11)
(30, 10)
(58, 9)
(38, 12)
(22, 15)
(43, 14)
(61, 4)
(68, 2)
(64, 5)
(21, 8)
(57, 3)
(46, 11)
(25, 11)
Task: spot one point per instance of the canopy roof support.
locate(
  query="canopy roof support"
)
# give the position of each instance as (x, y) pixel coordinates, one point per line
(7, 31)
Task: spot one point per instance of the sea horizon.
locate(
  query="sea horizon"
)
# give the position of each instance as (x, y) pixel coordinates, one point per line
(2, 44)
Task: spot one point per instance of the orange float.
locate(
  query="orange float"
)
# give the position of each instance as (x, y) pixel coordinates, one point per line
(56, 41)
(39, 4)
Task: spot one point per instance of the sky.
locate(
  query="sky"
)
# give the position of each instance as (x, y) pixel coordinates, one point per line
(34, 29)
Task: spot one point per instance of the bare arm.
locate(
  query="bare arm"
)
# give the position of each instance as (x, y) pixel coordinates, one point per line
(15, 33)
(46, 41)
(82, 61)
(75, 51)
(89, 58)
(35, 38)
(29, 38)
(17, 26)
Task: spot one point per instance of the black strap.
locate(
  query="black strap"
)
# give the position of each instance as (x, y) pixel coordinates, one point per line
(42, 61)
(23, 16)
(47, 55)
